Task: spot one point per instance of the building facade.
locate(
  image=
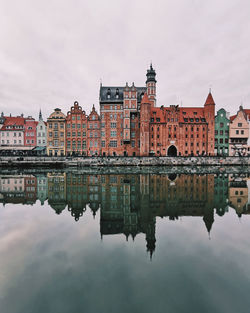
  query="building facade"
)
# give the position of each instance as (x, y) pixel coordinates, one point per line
(30, 132)
(239, 133)
(132, 125)
(94, 133)
(76, 131)
(12, 131)
(221, 135)
(41, 132)
(56, 133)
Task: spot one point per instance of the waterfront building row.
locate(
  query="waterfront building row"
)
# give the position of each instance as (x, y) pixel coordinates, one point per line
(131, 124)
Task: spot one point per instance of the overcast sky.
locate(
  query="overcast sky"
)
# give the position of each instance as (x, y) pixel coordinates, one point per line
(53, 52)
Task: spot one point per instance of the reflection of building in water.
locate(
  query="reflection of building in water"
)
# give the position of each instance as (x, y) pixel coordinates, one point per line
(93, 190)
(42, 187)
(130, 203)
(238, 194)
(18, 189)
(77, 194)
(30, 187)
(57, 191)
(221, 193)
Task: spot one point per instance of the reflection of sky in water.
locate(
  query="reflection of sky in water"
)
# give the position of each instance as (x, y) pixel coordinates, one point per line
(50, 263)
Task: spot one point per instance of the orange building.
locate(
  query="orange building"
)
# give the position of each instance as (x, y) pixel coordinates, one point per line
(76, 131)
(93, 133)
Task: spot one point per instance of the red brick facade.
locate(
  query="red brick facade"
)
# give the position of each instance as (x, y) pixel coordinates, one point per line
(132, 125)
(94, 133)
(76, 131)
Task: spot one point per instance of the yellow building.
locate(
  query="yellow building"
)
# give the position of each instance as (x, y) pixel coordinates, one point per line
(56, 133)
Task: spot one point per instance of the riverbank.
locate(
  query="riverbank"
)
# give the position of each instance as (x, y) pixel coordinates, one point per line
(83, 162)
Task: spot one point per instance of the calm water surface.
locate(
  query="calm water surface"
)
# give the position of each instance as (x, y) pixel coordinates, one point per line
(124, 243)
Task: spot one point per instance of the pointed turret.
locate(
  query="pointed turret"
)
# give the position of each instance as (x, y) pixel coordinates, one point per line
(210, 100)
(40, 115)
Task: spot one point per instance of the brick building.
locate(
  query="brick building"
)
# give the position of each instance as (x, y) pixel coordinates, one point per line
(30, 132)
(94, 133)
(76, 131)
(131, 124)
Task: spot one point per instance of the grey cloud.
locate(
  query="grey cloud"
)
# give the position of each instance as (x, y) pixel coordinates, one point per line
(55, 52)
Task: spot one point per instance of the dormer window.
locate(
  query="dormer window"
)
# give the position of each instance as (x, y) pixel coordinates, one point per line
(117, 93)
(109, 93)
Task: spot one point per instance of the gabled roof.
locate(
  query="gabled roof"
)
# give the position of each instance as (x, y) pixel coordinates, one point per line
(246, 111)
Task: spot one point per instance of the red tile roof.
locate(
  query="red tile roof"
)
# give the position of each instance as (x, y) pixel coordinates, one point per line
(13, 121)
(185, 115)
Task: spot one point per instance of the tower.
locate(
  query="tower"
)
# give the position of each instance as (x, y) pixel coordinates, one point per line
(145, 120)
(151, 85)
(209, 112)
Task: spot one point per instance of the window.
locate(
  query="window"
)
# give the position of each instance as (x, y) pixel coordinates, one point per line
(113, 133)
(221, 132)
(103, 143)
(113, 125)
(132, 134)
(84, 144)
(133, 143)
(221, 125)
(113, 143)
(239, 124)
(216, 132)
(103, 134)
(221, 140)
(237, 132)
(242, 132)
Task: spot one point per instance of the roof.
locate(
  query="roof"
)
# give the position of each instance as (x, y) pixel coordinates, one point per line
(116, 94)
(246, 111)
(57, 114)
(13, 121)
(210, 99)
(185, 115)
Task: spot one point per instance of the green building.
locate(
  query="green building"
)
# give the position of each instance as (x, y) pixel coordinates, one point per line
(221, 136)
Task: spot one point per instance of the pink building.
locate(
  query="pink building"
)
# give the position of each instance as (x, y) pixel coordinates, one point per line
(30, 132)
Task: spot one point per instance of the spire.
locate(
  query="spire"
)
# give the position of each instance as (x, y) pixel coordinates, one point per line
(210, 99)
(151, 74)
(40, 115)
